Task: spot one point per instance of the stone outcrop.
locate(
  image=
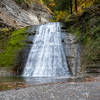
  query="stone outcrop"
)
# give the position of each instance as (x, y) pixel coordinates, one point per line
(71, 51)
(14, 15)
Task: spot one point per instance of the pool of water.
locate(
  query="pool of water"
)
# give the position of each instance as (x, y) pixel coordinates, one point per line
(46, 80)
(35, 80)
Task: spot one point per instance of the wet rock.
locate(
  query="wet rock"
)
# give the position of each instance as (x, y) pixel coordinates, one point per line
(5, 72)
(29, 42)
(29, 39)
(70, 46)
(21, 59)
(32, 29)
(94, 68)
(23, 54)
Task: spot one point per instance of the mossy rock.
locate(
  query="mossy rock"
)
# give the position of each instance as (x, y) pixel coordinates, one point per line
(14, 45)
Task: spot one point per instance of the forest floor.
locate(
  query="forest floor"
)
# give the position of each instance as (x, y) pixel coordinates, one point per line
(89, 89)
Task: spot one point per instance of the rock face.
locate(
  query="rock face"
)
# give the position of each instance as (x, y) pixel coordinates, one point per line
(23, 54)
(14, 15)
(71, 49)
(5, 72)
(72, 53)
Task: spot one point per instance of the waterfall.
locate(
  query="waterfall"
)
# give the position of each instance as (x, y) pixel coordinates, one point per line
(47, 57)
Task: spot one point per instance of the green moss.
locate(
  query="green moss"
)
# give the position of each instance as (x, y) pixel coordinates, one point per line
(16, 43)
(4, 37)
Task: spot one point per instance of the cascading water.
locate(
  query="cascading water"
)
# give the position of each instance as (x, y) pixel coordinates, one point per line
(47, 57)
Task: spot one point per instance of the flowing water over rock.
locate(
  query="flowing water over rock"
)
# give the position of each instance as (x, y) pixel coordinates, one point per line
(47, 57)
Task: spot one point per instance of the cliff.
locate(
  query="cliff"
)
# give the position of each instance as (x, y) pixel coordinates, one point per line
(16, 15)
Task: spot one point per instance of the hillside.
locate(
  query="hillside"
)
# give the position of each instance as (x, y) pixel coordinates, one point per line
(86, 26)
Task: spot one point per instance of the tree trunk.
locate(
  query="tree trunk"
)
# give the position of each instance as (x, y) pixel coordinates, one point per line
(76, 6)
(71, 7)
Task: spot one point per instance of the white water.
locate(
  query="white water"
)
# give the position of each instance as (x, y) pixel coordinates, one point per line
(47, 56)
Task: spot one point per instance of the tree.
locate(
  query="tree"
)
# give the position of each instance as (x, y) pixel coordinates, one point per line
(76, 6)
(71, 7)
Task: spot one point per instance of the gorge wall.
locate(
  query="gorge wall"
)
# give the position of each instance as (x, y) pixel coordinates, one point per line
(15, 45)
(15, 15)
(13, 37)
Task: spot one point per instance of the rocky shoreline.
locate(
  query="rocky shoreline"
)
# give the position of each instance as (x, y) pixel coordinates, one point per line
(59, 91)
